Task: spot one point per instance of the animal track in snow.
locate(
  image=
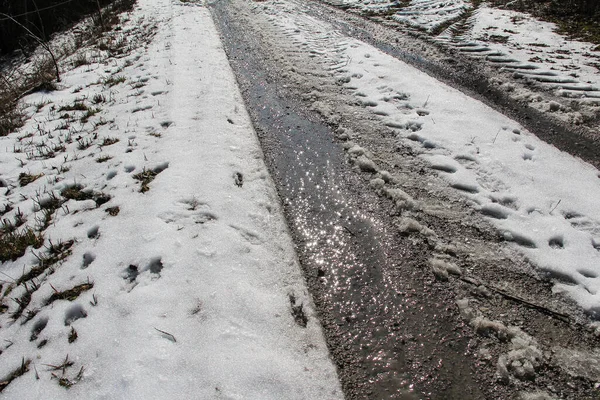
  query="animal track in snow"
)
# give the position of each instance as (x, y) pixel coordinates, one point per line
(129, 168)
(416, 138)
(582, 222)
(204, 216)
(38, 327)
(368, 103)
(130, 273)
(465, 187)
(73, 313)
(466, 158)
(93, 232)
(155, 266)
(519, 239)
(505, 200)
(495, 211)
(588, 274)
(428, 144)
(527, 156)
(196, 212)
(450, 169)
(557, 242)
(88, 258)
(414, 126)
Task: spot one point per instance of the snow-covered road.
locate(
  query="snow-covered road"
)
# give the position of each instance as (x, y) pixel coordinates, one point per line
(190, 283)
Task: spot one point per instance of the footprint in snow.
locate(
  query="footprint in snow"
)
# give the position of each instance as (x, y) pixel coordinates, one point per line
(527, 157)
(465, 187)
(450, 169)
(556, 242)
(93, 232)
(73, 313)
(587, 273)
(495, 211)
(519, 239)
(88, 258)
(238, 178)
(38, 327)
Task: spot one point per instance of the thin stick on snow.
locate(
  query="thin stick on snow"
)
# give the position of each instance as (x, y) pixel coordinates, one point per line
(554, 208)
(171, 337)
(426, 101)
(496, 137)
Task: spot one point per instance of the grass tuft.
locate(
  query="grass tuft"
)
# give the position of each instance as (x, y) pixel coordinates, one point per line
(14, 244)
(114, 80)
(108, 141)
(54, 254)
(22, 303)
(76, 193)
(76, 106)
(25, 179)
(89, 114)
(113, 211)
(80, 59)
(102, 159)
(70, 294)
(145, 177)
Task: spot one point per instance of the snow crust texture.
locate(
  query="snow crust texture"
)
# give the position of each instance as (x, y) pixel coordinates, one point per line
(535, 64)
(173, 269)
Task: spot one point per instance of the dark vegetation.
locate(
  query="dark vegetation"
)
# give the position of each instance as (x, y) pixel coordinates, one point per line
(577, 18)
(25, 24)
(42, 18)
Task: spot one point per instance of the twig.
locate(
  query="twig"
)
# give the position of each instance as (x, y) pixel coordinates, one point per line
(496, 137)
(545, 310)
(172, 338)
(554, 208)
